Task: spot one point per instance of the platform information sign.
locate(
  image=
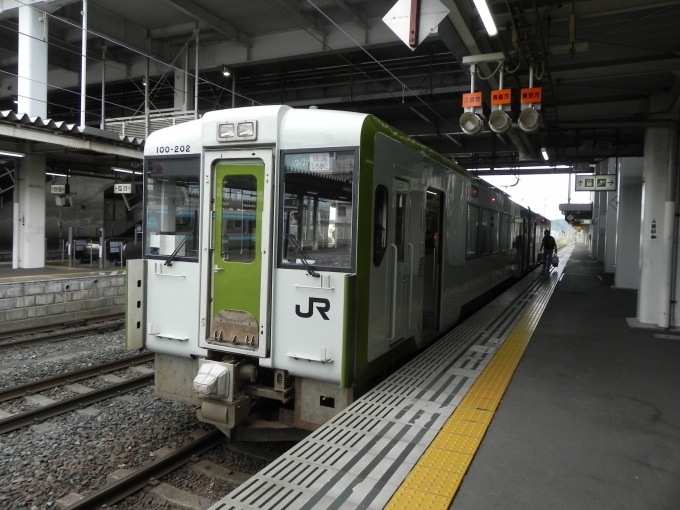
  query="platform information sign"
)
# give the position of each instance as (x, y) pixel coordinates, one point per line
(125, 188)
(604, 182)
(58, 189)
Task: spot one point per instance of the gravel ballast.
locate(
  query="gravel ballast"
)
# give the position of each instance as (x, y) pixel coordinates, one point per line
(75, 452)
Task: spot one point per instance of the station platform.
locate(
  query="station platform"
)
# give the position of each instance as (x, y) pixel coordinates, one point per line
(56, 294)
(543, 399)
(51, 270)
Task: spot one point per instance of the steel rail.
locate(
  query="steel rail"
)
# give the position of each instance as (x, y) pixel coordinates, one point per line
(30, 417)
(76, 375)
(61, 335)
(136, 481)
(51, 327)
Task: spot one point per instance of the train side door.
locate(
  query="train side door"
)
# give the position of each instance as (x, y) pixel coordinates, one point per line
(432, 262)
(399, 276)
(240, 229)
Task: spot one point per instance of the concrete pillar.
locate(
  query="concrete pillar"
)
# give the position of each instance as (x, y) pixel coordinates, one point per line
(29, 239)
(651, 242)
(627, 274)
(611, 204)
(32, 82)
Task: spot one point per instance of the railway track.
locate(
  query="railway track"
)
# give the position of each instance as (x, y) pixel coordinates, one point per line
(71, 377)
(64, 406)
(149, 474)
(51, 334)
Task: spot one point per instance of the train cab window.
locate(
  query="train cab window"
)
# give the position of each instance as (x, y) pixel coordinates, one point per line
(485, 232)
(472, 230)
(318, 210)
(172, 205)
(239, 207)
(380, 206)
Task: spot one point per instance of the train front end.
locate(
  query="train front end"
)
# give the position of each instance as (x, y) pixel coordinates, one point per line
(246, 289)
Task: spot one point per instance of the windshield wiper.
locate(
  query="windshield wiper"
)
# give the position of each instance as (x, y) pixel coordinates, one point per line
(303, 256)
(174, 253)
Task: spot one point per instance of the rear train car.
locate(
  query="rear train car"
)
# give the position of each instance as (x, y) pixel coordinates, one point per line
(291, 255)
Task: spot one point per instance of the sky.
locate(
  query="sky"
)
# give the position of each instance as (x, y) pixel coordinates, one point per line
(543, 193)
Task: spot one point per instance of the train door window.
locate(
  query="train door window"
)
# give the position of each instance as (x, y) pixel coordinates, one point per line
(380, 224)
(400, 225)
(485, 232)
(239, 206)
(472, 230)
(171, 208)
(318, 210)
(495, 231)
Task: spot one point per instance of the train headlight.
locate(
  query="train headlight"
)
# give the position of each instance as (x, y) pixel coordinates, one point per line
(246, 129)
(499, 121)
(225, 131)
(471, 123)
(529, 120)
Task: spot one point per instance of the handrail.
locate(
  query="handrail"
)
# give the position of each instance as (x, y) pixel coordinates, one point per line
(409, 275)
(393, 313)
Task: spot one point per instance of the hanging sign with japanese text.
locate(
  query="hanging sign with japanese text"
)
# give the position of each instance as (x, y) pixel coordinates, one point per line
(472, 100)
(500, 97)
(533, 95)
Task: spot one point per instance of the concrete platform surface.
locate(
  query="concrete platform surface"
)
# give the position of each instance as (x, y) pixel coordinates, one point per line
(51, 270)
(591, 418)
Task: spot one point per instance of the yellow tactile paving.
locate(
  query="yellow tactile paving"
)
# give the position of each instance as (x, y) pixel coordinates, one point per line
(446, 460)
(456, 443)
(466, 428)
(413, 498)
(434, 481)
(436, 477)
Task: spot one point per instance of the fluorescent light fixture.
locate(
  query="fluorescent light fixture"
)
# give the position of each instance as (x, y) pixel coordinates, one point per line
(12, 154)
(485, 14)
(122, 170)
(138, 173)
(544, 167)
(56, 175)
(544, 151)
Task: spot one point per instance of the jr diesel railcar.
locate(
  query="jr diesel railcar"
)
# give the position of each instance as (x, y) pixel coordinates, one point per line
(326, 246)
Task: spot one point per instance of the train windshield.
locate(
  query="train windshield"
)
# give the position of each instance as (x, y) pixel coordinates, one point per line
(318, 205)
(172, 197)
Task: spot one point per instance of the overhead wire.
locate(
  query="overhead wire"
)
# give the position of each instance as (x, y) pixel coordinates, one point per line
(130, 48)
(404, 86)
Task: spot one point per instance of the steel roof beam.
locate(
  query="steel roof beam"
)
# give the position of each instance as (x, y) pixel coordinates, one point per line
(356, 13)
(216, 23)
(291, 8)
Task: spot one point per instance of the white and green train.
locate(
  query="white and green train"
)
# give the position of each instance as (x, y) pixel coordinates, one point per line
(291, 256)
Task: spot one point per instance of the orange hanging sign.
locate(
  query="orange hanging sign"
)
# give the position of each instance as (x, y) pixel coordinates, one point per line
(501, 97)
(531, 95)
(472, 100)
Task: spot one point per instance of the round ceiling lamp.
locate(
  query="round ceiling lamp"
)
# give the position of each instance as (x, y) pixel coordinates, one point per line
(471, 123)
(499, 121)
(529, 120)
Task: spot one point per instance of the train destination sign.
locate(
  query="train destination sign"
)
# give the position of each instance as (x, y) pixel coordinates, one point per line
(121, 187)
(58, 189)
(604, 182)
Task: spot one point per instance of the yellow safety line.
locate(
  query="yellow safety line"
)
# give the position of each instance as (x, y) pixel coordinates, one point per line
(434, 480)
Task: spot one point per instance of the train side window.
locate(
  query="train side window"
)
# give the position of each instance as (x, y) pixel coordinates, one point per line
(380, 224)
(472, 230)
(485, 232)
(239, 206)
(495, 231)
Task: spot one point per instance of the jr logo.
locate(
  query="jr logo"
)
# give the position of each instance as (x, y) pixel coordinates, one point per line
(323, 306)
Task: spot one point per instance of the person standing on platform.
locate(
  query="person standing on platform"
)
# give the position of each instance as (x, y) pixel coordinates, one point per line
(548, 245)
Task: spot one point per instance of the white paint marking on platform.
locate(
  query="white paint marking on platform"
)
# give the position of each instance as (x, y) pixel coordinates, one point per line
(667, 337)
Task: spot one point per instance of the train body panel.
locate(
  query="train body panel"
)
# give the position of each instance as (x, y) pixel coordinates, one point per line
(315, 246)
